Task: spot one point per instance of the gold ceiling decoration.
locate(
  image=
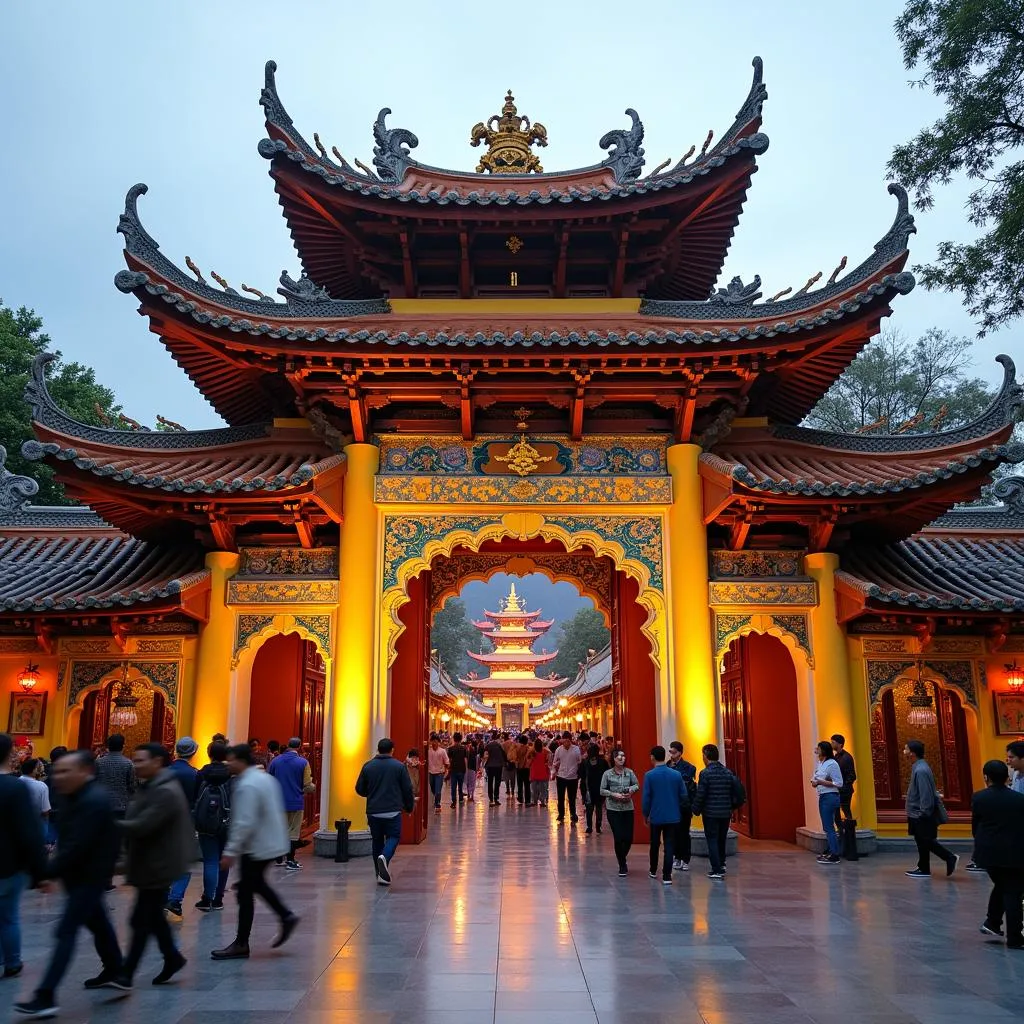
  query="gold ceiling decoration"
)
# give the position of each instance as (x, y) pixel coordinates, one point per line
(514, 244)
(509, 137)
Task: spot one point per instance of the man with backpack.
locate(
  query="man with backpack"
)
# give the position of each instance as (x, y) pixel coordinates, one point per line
(184, 750)
(682, 848)
(212, 815)
(719, 793)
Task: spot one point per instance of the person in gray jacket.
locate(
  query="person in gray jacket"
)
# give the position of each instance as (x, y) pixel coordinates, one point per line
(385, 785)
(257, 835)
(922, 814)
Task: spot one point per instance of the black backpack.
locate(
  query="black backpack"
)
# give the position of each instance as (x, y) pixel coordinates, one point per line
(213, 809)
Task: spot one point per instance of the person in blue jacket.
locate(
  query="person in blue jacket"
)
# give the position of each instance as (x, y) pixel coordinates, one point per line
(664, 795)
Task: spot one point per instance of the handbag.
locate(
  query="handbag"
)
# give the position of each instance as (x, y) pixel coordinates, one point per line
(941, 814)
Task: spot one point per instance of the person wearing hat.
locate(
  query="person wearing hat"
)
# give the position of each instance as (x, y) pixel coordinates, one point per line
(184, 750)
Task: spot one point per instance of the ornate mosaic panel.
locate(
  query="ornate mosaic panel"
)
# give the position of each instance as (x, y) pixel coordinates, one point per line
(895, 645)
(726, 625)
(957, 645)
(242, 591)
(754, 564)
(884, 673)
(1014, 644)
(406, 536)
(958, 673)
(18, 645)
(88, 673)
(247, 626)
(147, 646)
(639, 536)
(163, 674)
(271, 562)
(533, 490)
(798, 627)
(96, 646)
(764, 593)
(319, 626)
(453, 456)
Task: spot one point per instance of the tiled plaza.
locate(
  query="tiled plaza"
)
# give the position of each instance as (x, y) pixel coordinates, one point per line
(502, 916)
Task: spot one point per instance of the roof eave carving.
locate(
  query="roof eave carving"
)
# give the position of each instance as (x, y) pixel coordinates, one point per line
(303, 299)
(392, 159)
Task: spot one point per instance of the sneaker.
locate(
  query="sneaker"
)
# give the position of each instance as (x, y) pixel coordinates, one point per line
(986, 929)
(217, 905)
(171, 968)
(652, 874)
(121, 982)
(623, 872)
(383, 874)
(684, 866)
(974, 867)
(13, 972)
(951, 864)
(205, 905)
(918, 873)
(292, 865)
(718, 876)
(38, 1008)
(588, 831)
(288, 925)
(666, 881)
(677, 864)
(102, 980)
(236, 951)
(833, 859)
(173, 908)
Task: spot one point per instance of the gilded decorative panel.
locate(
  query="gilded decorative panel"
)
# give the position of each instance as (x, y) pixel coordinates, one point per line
(247, 626)
(740, 564)
(270, 562)
(531, 490)
(319, 626)
(639, 537)
(163, 674)
(406, 536)
(798, 627)
(154, 646)
(958, 673)
(886, 645)
(764, 593)
(726, 625)
(96, 646)
(957, 645)
(453, 456)
(1013, 645)
(18, 645)
(241, 591)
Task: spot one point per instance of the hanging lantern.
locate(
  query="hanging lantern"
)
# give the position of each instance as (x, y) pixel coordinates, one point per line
(28, 677)
(922, 708)
(1014, 676)
(123, 714)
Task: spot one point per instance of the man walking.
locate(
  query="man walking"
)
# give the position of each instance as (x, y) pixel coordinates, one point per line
(458, 758)
(846, 764)
(87, 847)
(437, 766)
(292, 771)
(116, 774)
(494, 765)
(257, 835)
(565, 766)
(661, 802)
(997, 822)
(719, 793)
(922, 814)
(22, 856)
(187, 776)
(159, 828)
(682, 848)
(385, 785)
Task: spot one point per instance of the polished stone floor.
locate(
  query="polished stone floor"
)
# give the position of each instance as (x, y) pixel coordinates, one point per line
(502, 916)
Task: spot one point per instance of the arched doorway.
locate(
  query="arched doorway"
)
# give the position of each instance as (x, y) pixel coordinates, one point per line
(761, 732)
(634, 704)
(945, 740)
(286, 699)
(150, 718)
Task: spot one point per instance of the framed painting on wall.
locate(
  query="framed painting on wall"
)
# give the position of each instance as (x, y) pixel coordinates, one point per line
(1009, 713)
(28, 714)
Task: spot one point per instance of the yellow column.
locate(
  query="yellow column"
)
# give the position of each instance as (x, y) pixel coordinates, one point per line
(837, 707)
(213, 659)
(693, 693)
(352, 684)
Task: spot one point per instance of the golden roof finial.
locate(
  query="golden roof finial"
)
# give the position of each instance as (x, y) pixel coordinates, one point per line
(508, 144)
(512, 602)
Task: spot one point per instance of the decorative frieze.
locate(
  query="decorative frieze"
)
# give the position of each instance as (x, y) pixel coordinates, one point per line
(959, 673)
(267, 563)
(754, 564)
(241, 591)
(762, 593)
(728, 625)
(18, 645)
(165, 675)
(887, 645)
(529, 490)
(99, 645)
(145, 645)
(957, 645)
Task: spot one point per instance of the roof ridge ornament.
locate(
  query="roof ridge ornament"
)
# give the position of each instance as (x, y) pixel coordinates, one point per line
(736, 293)
(626, 151)
(509, 142)
(15, 490)
(303, 290)
(391, 154)
(1010, 491)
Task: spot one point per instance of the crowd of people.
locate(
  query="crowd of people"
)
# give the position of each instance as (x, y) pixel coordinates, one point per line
(80, 818)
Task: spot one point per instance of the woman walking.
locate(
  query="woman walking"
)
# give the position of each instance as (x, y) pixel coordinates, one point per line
(828, 780)
(618, 784)
(540, 768)
(592, 770)
(472, 767)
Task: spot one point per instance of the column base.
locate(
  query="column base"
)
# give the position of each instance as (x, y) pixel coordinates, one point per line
(814, 840)
(325, 842)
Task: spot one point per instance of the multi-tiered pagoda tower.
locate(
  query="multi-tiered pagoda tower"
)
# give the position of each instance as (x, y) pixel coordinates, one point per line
(512, 680)
(518, 370)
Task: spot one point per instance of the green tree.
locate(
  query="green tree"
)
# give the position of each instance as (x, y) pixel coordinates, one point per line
(971, 53)
(452, 635)
(898, 386)
(72, 385)
(584, 632)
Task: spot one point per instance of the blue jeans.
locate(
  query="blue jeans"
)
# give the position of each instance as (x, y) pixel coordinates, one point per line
(436, 787)
(457, 780)
(215, 878)
(384, 835)
(176, 893)
(84, 909)
(828, 806)
(11, 889)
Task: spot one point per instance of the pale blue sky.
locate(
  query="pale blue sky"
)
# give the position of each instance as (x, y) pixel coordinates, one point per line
(99, 96)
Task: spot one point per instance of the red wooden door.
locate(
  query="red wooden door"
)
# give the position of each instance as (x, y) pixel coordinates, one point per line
(734, 721)
(311, 726)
